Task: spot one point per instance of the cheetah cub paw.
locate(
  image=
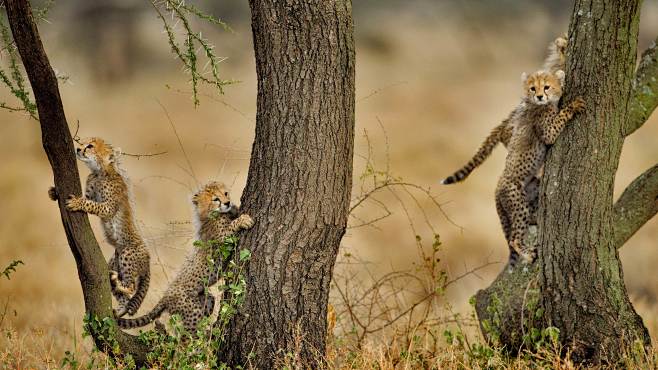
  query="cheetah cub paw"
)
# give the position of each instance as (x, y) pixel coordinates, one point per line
(578, 105)
(114, 278)
(119, 311)
(527, 255)
(561, 42)
(74, 203)
(245, 221)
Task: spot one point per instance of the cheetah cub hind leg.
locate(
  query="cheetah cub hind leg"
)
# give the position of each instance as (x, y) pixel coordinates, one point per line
(120, 294)
(526, 254)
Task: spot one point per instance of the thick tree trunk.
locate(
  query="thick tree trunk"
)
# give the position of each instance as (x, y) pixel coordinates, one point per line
(581, 279)
(58, 145)
(578, 278)
(300, 178)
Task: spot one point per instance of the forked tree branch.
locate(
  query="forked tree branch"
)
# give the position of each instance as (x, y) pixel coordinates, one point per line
(637, 205)
(58, 145)
(645, 90)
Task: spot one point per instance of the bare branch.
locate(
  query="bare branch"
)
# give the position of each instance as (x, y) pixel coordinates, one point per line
(645, 90)
(637, 205)
(138, 156)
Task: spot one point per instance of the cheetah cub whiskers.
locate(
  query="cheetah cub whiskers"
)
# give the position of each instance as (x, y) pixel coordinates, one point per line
(107, 195)
(537, 124)
(187, 294)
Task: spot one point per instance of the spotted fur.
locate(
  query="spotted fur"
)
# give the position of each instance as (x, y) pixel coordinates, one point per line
(187, 294)
(107, 195)
(537, 124)
(503, 132)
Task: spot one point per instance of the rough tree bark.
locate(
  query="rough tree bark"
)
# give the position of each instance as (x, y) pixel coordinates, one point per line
(58, 145)
(300, 178)
(578, 280)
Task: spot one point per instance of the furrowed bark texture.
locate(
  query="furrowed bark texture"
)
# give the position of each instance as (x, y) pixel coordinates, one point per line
(300, 177)
(579, 277)
(58, 145)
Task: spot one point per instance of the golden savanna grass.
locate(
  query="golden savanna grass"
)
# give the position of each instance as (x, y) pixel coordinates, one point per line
(430, 86)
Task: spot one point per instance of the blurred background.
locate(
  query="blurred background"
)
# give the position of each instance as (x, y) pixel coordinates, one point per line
(432, 79)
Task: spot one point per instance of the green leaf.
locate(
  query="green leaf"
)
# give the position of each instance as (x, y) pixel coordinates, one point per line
(245, 254)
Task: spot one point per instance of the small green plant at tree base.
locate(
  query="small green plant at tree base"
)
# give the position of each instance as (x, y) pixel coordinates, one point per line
(176, 348)
(103, 331)
(491, 327)
(181, 350)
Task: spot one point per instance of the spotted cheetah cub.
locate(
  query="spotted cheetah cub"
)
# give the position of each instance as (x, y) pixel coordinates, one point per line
(555, 61)
(537, 124)
(187, 295)
(107, 196)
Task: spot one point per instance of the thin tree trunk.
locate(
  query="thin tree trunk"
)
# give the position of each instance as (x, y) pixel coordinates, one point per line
(300, 178)
(58, 145)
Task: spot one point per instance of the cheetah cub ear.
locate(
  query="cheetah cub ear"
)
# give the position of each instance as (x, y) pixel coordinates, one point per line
(560, 76)
(524, 77)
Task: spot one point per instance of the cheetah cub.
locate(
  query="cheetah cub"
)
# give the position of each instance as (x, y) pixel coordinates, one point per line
(186, 295)
(107, 196)
(537, 123)
(555, 61)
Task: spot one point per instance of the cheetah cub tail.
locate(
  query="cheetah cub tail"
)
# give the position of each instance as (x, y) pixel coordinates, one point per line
(483, 153)
(138, 322)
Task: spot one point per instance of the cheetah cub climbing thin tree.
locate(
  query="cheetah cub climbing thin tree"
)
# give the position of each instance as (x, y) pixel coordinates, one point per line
(107, 196)
(187, 295)
(537, 123)
(555, 61)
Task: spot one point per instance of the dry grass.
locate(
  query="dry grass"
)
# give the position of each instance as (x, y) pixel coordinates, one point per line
(436, 85)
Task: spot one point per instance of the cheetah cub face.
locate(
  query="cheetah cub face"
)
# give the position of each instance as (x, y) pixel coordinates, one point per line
(96, 153)
(213, 197)
(543, 87)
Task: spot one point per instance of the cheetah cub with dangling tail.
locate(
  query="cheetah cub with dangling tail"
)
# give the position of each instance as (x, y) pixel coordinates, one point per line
(187, 295)
(555, 61)
(107, 196)
(537, 124)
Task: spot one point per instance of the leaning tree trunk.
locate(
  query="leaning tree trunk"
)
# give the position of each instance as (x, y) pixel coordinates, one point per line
(577, 283)
(58, 145)
(300, 177)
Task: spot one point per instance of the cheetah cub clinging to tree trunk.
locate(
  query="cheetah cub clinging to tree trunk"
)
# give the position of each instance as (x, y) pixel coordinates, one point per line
(107, 196)
(187, 295)
(537, 124)
(555, 61)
